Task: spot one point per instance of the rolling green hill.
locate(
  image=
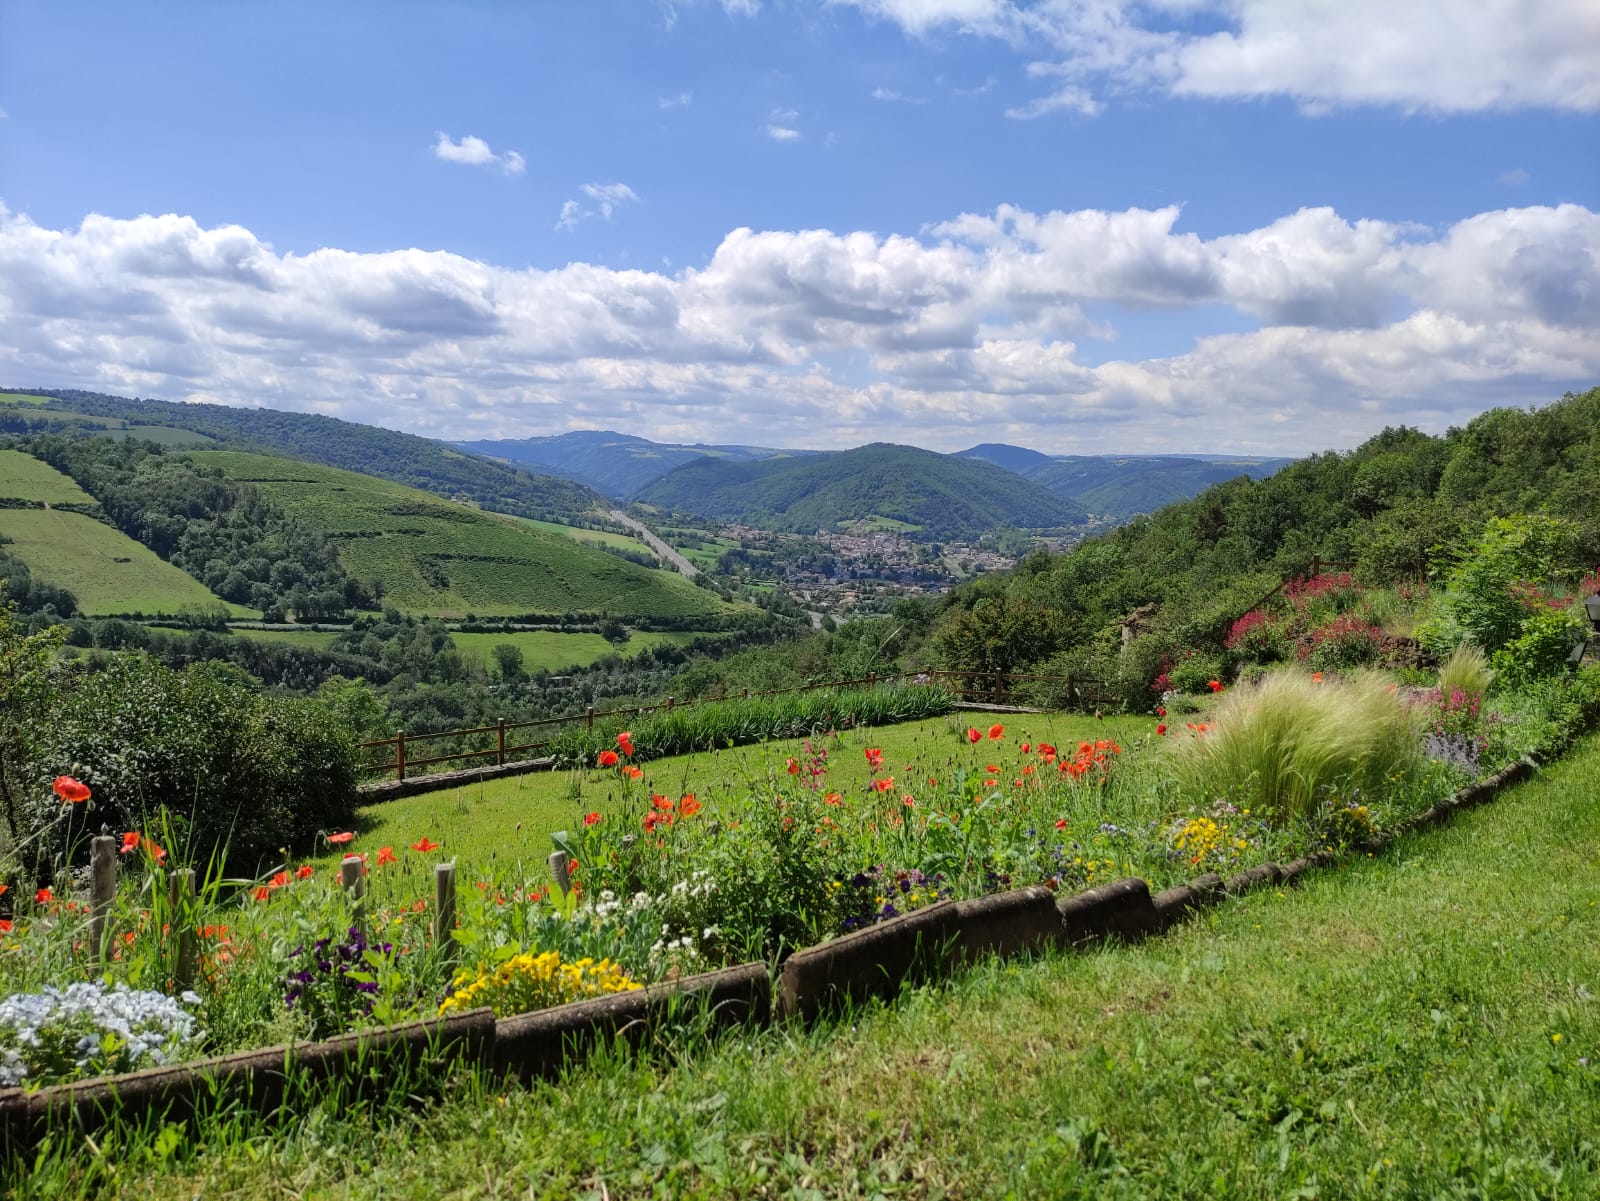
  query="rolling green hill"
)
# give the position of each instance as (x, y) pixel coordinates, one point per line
(617, 465)
(427, 555)
(940, 496)
(403, 458)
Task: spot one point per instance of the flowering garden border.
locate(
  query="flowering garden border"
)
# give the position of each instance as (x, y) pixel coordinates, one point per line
(877, 961)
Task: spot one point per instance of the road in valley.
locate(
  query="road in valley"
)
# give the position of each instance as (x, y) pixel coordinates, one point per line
(661, 548)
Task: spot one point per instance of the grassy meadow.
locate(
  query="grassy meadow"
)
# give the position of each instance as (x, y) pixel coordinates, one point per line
(26, 478)
(552, 650)
(513, 818)
(104, 568)
(580, 534)
(1418, 1024)
(434, 556)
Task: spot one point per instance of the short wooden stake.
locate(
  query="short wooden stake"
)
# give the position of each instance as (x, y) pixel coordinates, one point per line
(444, 908)
(400, 756)
(352, 875)
(559, 871)
(102, 891)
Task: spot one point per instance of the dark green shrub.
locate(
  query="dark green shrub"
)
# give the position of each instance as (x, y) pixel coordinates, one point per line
(236, 770)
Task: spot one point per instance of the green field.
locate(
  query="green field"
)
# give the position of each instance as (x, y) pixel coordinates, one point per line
(28, 478)
(166, 435)
(579, 534)
(552, 650)
(104, 568)
(25, 398)
(310, 639)
(435, 556)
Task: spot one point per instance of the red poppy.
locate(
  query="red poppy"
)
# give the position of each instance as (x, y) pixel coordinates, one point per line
(1161, 711)
(263, 893)
(279, 880)
(974, 735)
(4, 888)
(425, 844)
(1214, 685)
(633, 772)
(792, 767)
(874, 758)
(991, 769)
(130, 842)
(73, 792)
(997, 731)
(832, 798)
(1162, 728)
(44, 896)
(303, 872)
(385, 855)
(1025, 748)
(910, 802)
(591, 819)
(1061, 823)
(5, 926)
(608, 758)
(661, 802)
(884, 784)
(625, 742)
(688, 806)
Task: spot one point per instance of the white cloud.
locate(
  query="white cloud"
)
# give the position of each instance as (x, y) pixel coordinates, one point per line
(474, 152)
(604, 200)
(890, 95)
(783, 133)
(1424, 55)
(969, 331)
(1515, 177)
(677, 100)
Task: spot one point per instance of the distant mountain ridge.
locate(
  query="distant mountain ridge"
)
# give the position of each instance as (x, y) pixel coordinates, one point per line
(1117, 487)
(613, 464)
(935, 496)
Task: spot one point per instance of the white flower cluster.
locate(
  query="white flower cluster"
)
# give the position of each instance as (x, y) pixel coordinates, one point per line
(87, 1029)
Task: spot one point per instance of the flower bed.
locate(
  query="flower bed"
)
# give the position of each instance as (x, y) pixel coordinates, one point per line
(664, 885)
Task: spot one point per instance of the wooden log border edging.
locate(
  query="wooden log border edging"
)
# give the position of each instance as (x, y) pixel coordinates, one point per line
(877, 961)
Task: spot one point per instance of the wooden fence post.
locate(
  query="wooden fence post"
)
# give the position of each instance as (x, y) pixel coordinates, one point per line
(669, 704)
(102, 891)
(500, 745)
(1316, 565)
(588, 718)
(352, 877)
(444, 908)
(872, 679)
(747, 692)
(400, 756)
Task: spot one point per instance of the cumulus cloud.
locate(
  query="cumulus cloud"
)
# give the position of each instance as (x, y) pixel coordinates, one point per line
(474, 152)
(1498, 55)
(677, 100)
(600, 200)
(783, 133)
(970, 330)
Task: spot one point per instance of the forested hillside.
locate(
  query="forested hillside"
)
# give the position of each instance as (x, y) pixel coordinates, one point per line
(404, 458)
(1399, 507)
(937, 496)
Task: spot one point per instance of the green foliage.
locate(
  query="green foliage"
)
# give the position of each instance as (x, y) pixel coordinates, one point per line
(239, 772)
(1195, 672)
(28, 683)
(998, 633)
(736, 722)
(1286, 746)
(1479, 593)
(1540, 649)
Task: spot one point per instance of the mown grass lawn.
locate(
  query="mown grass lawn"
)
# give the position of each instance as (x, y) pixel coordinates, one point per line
(513, 818)
(1421, 1024)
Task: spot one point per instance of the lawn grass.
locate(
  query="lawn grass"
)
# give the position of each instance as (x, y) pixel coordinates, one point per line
(513, 817)
(27, 478)
(434, 556)
(105, 569)
(552, 650)
(579, 534)
(1419, 1024)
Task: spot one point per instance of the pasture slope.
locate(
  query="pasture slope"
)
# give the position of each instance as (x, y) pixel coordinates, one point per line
(435, 556)
(107, 571)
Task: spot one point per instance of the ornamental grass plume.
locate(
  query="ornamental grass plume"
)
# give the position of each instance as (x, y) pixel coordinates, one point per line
(1283, 744)
(1467, 670)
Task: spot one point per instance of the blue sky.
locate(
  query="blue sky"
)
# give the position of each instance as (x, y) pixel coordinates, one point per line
(1247, 225)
